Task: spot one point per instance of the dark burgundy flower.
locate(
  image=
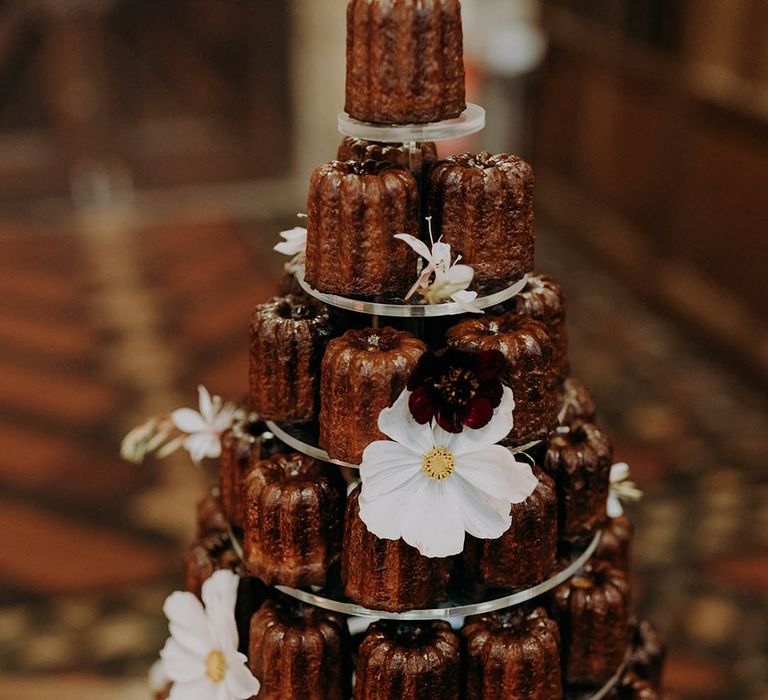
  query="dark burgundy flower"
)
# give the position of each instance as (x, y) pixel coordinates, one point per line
(456, 388)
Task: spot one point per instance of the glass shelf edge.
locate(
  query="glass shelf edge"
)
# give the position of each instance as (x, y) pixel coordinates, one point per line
(471, 121)
(374, 308)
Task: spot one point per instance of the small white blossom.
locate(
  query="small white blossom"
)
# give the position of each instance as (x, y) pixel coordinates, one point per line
(201, 656)
(451, 279)
(621, 489)
(204, 427)
(294, 241)
(430, 487)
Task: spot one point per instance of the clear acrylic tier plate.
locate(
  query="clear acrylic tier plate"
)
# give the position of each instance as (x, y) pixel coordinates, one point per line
(303, 437)
(459, 606)
(405, 309)
(471, 121)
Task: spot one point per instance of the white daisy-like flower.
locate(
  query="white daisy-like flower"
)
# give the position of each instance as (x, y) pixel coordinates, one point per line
(430, 487)
(204, 427)
(294, 241)
(621, 489)
(201, 656)
(450, 278)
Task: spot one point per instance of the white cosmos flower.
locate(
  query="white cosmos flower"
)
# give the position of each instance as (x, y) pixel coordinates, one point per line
(450, 279)
(621, 488)
(204, 427)
(201, 656)
(294, 241)
(430, 486)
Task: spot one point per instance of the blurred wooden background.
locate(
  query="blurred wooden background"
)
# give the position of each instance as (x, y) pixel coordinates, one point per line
(167, 92)
(652, 147)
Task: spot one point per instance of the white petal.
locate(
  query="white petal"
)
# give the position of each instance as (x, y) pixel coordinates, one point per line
(483, 515)
(179, 664)
(433, 522)
(239, 680)
(494, 470)
(441, 256)
(465, 301)
(619, 472)
(196, 690)
(497, 429)
(386, 466)
(419, 246)
(383, 516)
(188, 622)
(461, 275)
(207, 410)
(188, 420)
(202, 445)
(615, 509)
(224, 418)
(397, 423)
(220, 595)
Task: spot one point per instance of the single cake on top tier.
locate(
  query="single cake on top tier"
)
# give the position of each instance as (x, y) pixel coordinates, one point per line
(579, 458)
(530, 371)
(409, 661)
(358, 149)
(525, 554)
(294, 519)
(512, 655)
(363, 372)
(288, 335)
(592, 611)
(355, 209)
(405, 61)
(299, 652)
(483, 206)
(387, 574)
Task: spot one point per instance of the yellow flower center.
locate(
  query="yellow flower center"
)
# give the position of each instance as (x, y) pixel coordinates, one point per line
(216, 666)
(439, 463)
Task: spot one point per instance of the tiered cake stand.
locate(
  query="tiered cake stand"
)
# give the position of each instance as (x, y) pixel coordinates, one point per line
(303, 437)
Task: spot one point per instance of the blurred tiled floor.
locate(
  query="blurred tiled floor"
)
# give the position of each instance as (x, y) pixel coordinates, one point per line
(99, 329)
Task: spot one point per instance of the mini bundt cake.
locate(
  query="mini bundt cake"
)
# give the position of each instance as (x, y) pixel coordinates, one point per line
(293, 520)
(648, 653)
(512, 655)
(387, 574)
(615, 542)
(299, 652)
(483, 206)
(405, 61)
(211, 519)
(543, 300)
(530, 371)
(240, 446)
(288, 335)
(576, 403)
(355, 210)
(592, 611)
(409, 661)
(363, 372)
(358, 149)
(525, 554)
(579, 459)
(213, 552)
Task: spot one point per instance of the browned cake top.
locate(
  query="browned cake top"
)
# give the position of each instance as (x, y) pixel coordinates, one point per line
(488, 161)
(511, 334)
(292, 308)
(379, 341)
